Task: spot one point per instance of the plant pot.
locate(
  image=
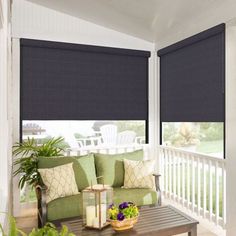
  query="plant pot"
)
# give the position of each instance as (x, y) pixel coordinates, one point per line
(124, 224)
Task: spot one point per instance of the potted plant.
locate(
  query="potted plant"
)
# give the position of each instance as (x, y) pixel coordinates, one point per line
(48, 230)
(27, 154)
(13, 230)
(123, 217)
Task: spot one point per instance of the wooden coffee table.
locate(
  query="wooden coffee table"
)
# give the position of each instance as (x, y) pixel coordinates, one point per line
(160, 221)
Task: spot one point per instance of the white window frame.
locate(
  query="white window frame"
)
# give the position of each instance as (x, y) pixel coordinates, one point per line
(1, 14)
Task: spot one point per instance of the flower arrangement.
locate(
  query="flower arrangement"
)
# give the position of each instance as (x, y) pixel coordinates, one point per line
(124, 216)
(126, 210)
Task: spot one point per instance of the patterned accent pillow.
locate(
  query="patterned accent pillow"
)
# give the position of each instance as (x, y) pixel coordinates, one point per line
(139, 174)
(60, 181)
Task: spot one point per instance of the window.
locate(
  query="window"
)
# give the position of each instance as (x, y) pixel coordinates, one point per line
(202, 137)
(192, 92)
(73, 90)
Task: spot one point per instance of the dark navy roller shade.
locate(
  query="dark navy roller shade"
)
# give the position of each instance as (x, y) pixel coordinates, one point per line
(62, 81)
(192, 78)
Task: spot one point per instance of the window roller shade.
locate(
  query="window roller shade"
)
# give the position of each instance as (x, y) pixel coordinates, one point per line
(61, 81)
(192, 77)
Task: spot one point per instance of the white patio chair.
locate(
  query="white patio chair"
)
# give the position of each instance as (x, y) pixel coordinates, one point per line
(126, 137)
(140, 140)
(109, 135)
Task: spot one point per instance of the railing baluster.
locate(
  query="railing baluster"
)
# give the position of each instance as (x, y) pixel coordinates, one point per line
(217, 193)
(174, 175)
(166, 172)
(183, 178)
(162, 168)
(170, 174)
(204, 188)
(198, 186)
(210, 191)
(193, 184)
(188, 181)
(178, 177)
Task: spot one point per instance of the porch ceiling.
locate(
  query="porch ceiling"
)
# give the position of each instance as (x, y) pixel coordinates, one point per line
(152, 20)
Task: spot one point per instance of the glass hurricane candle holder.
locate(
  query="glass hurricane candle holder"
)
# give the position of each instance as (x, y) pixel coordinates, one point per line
(96, 200)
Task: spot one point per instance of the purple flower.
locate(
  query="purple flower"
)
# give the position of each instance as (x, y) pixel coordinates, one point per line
(120, 216)
(110, 206)
(123, 205)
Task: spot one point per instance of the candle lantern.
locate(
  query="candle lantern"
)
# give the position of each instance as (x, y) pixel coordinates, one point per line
(96, 200)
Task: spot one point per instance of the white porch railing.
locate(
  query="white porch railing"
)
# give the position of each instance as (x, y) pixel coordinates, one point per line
(196, 181)
(107, 150)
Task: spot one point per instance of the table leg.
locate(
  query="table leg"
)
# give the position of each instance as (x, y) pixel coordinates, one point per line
(193, 231)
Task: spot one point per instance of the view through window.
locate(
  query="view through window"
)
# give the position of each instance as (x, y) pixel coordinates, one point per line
(83, 134)
(202, 137)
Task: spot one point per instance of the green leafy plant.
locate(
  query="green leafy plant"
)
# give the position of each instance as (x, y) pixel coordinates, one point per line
(13, 230)
(48, 230)
(27, 163)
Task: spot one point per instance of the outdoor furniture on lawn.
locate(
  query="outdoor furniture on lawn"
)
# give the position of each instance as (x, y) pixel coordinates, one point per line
(109, 134)
(160, 221)
(140, 140)
(125, 137)
(89, 142)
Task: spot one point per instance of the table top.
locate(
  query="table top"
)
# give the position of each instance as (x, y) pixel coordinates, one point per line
(152, 221)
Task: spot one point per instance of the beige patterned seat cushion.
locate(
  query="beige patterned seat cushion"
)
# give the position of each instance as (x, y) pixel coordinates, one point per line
(139, 174)
(60, 181)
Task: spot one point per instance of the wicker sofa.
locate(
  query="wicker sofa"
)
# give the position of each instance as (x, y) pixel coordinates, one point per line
(86, 169)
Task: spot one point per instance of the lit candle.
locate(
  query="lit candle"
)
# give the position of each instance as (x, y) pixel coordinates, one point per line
(103, 216)
(92, 220)
(96, 222)
(90, 215)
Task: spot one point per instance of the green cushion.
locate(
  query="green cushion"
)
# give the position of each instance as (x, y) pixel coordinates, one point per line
(84, 168)
(139, 196)
(111, 167)
(65, 207)
(72, 206)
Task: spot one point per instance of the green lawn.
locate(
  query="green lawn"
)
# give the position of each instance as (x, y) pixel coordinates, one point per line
(32, 196)
(208, 147)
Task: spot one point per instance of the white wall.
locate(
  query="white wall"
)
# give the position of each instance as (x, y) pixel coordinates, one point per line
(33, 21)
(231, 128)
(30, 20)
(4, 112)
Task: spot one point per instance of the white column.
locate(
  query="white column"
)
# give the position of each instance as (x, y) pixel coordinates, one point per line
(230, 128)
(4, 115)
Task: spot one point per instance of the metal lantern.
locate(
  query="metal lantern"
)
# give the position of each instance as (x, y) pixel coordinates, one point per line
(96, 200)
